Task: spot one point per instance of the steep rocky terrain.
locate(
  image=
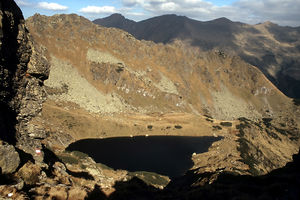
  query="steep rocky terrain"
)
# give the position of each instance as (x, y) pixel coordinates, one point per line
(23, 69)
(272, 48)
(105, 83)
(94, 66)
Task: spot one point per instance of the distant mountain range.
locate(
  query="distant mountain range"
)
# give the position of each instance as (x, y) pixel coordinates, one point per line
(274, 49)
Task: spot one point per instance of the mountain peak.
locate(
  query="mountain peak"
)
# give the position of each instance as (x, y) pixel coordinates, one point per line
(171, 16)
(117, 16)
(222, 20)
(115, 20)
(269, 23)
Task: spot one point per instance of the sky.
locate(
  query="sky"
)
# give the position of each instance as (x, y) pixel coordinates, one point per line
(282, 12)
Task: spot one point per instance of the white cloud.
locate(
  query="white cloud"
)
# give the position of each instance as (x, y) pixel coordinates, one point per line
(284, 12)
(130, 3)
(136, 13)
(51, 6)
(22, 3)
(98, 10)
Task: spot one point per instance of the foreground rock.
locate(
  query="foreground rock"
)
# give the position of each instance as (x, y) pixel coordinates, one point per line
(22, 72)
(9, 158)
(15, 54)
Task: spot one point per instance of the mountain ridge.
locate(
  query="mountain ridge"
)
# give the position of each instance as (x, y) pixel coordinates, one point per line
(159, 60)
(270, 47)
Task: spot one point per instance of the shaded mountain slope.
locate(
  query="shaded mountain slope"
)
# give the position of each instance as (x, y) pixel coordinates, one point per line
(279, 184)
(272, 48)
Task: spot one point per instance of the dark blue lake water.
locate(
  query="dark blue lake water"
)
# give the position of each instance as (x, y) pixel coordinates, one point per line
(166, 155)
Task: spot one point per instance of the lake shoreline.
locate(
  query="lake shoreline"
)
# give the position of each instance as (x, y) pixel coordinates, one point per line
(166, 155)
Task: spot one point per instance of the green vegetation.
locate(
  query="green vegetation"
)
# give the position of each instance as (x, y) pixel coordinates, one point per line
(273, 135)
(72, 157)
(217, 127)
(119, 69)
(82, 166)
(178, 127)
(79, 154)
(244, 147)
(282, 125)
(267, 122)
(247, 158)
(208, 116)
(151, 178)
(68, 159)
(228, 124)
(209, 120)
(241, 128)
(296, 102)
(243, 119)
(282, 131)
(294, 138)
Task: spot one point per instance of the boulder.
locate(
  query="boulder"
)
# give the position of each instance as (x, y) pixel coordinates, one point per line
(30, 173)
(9, 158)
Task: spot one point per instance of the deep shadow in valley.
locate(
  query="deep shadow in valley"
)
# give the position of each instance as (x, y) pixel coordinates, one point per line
(282, 183)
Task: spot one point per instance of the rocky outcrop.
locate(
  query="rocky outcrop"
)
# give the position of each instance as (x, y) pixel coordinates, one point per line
(23, 68)
(29, 135)
(15, 53)
(9, 158)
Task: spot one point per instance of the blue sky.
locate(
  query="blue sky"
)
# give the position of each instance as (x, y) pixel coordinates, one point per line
(283, 12)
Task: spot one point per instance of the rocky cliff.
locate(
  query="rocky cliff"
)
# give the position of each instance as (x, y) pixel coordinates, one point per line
(15, 54)
(23, 70)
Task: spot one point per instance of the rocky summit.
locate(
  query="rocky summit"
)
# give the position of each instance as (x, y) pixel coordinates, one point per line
(64, 78)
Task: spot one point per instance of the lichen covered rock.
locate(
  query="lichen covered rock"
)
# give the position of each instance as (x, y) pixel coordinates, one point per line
(30, 173)
(9, 158)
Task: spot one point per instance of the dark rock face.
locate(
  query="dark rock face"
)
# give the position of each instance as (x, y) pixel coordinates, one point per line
(29, 135)
(22, 71)
(15, 53)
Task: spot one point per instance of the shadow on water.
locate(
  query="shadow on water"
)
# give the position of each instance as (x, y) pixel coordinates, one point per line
(283, 183)
(166, 155)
